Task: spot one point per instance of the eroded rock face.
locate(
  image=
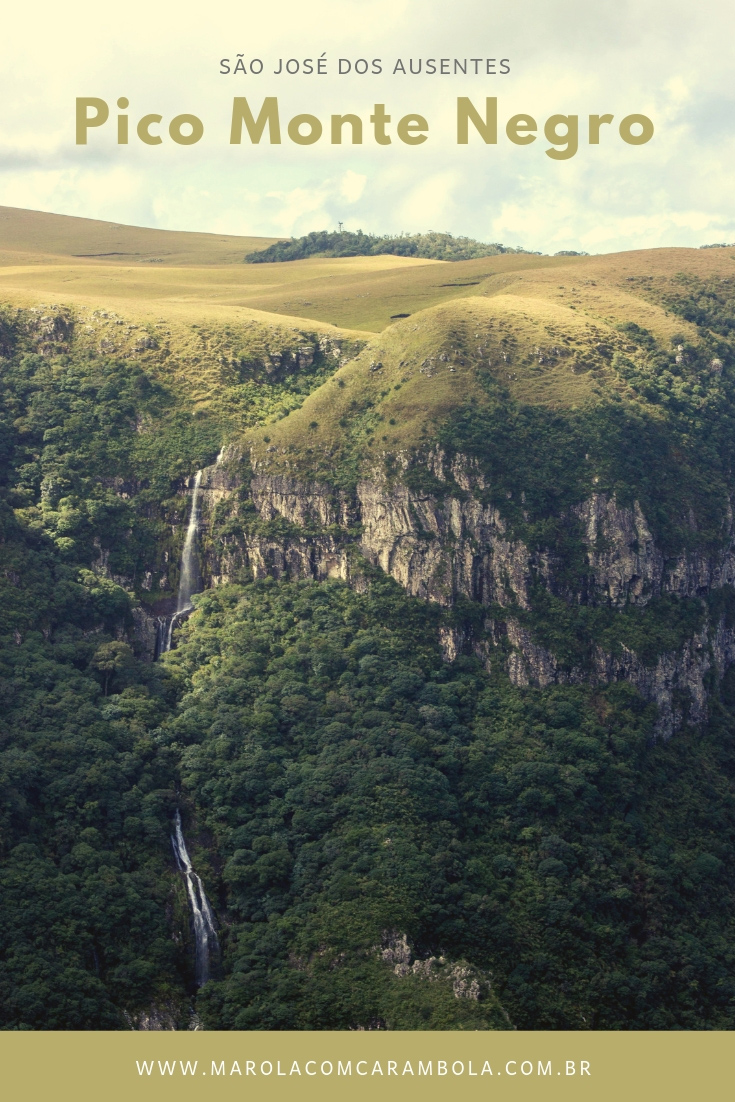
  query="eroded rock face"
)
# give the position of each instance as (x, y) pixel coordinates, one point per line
(443, 547)
(53, 326)
(626, 567)
(467, 982)
(306, 504)
(144, 631)
(677, 684)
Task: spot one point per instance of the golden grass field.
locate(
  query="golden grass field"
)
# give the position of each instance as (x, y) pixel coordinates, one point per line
(80, 261)
(545, 325)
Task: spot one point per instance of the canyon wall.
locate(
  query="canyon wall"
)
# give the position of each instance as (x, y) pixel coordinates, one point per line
(446, 546)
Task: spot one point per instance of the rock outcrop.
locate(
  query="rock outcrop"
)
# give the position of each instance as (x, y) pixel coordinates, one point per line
(441, 547)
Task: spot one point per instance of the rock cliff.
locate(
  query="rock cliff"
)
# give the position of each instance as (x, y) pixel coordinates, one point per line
(447, 546)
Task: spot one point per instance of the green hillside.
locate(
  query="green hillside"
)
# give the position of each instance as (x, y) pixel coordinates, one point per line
(396, 823)
(553, 400)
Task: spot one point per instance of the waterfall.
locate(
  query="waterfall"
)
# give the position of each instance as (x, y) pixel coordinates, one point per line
(189, 579)
(205, 936)
(189, 565)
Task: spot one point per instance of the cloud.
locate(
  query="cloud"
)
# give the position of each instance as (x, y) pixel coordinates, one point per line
(115, 194)
(353, 185)
(430, 204)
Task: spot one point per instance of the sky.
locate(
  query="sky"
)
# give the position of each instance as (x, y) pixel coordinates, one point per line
(671, 61)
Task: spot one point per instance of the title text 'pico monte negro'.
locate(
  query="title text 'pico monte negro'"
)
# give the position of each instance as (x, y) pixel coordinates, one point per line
(367, 632)
(561, 131)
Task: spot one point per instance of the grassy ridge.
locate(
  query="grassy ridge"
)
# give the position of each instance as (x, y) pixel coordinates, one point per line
(553, 404)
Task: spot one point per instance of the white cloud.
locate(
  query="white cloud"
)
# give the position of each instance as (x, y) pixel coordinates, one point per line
(431, 203)
(353, 185)
(295, 206)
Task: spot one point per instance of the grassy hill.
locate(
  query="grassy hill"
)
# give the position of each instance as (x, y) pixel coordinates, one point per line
(543, 336)
(146, 273)
(419, 345)
(28, 234)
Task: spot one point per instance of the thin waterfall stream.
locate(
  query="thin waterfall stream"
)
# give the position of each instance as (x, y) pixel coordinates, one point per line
(189, 568)
(205, 936)
(189, 578)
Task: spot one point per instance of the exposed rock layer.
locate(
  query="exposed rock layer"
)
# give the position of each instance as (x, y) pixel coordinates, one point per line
(443, 547)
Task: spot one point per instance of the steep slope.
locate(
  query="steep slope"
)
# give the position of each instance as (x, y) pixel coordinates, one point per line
(554, 449)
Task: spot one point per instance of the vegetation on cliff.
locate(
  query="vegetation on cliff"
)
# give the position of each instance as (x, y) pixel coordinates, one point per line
(388, 838)
(358, 788)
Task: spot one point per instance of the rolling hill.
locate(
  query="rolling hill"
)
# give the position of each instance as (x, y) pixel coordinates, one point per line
(28, 236)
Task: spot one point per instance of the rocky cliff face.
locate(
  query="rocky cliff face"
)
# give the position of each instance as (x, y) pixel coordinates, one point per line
(625, 565)
(441, 547)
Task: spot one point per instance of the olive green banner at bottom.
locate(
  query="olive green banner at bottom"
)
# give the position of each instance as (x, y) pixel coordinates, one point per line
(301, 1067)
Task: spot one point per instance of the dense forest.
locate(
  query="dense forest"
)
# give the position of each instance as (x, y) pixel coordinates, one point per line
(388, 839)
(429, 246)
